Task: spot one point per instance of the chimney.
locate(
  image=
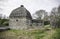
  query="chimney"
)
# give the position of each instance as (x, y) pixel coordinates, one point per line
(22, 5)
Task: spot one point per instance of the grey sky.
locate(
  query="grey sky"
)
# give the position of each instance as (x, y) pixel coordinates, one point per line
(6, 6)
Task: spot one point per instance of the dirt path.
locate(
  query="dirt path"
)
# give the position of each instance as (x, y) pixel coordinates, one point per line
(49, 34)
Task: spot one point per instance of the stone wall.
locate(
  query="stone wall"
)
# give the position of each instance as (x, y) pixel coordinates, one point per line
(18, 23)
(23, 23)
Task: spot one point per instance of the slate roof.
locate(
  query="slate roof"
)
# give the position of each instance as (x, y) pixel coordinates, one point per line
(20, 12)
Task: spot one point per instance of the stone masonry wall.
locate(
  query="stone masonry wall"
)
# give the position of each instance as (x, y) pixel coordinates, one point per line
(18, 23)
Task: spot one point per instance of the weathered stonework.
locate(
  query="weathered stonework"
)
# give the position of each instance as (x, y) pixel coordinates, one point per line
(18, 23)
(20, 18)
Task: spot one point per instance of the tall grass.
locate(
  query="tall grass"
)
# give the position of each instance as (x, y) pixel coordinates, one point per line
(57, 34)
(30, 34)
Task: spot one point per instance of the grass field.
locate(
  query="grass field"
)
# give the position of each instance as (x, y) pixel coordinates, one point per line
(56, 34)
(45, 33)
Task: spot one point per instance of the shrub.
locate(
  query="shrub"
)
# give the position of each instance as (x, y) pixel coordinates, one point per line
(46, 22)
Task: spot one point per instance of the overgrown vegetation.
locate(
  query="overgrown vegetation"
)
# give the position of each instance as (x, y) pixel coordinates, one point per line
(46, 22)
(25, 34)
(57, 34)
(4, 22)
(45, 33)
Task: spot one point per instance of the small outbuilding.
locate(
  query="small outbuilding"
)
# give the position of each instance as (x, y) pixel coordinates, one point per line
(20, 18)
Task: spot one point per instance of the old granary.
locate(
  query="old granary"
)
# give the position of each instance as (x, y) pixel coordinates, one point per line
(20, 18)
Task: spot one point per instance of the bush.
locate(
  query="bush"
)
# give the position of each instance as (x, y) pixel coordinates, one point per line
(4, 22)
(57, 34)
(46, 22)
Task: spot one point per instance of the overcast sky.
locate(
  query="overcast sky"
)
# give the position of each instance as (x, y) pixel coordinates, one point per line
(6, 6)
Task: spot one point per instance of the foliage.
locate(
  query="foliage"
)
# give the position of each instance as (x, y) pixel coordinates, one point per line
(55, 17)
(25, 34)
(46, 22)
(58, 22)
(41, 13)
(4, 22)
(57, 34)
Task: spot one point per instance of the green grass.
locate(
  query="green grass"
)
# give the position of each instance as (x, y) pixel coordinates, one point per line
(57, 34)
(29, 34)
(44, 33)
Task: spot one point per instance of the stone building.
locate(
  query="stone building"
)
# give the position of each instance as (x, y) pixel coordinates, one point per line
(20, 18)
(37, 24)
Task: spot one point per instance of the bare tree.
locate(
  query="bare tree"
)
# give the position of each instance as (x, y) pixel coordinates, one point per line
(55, 17)
(41, 15)
(52, 17)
